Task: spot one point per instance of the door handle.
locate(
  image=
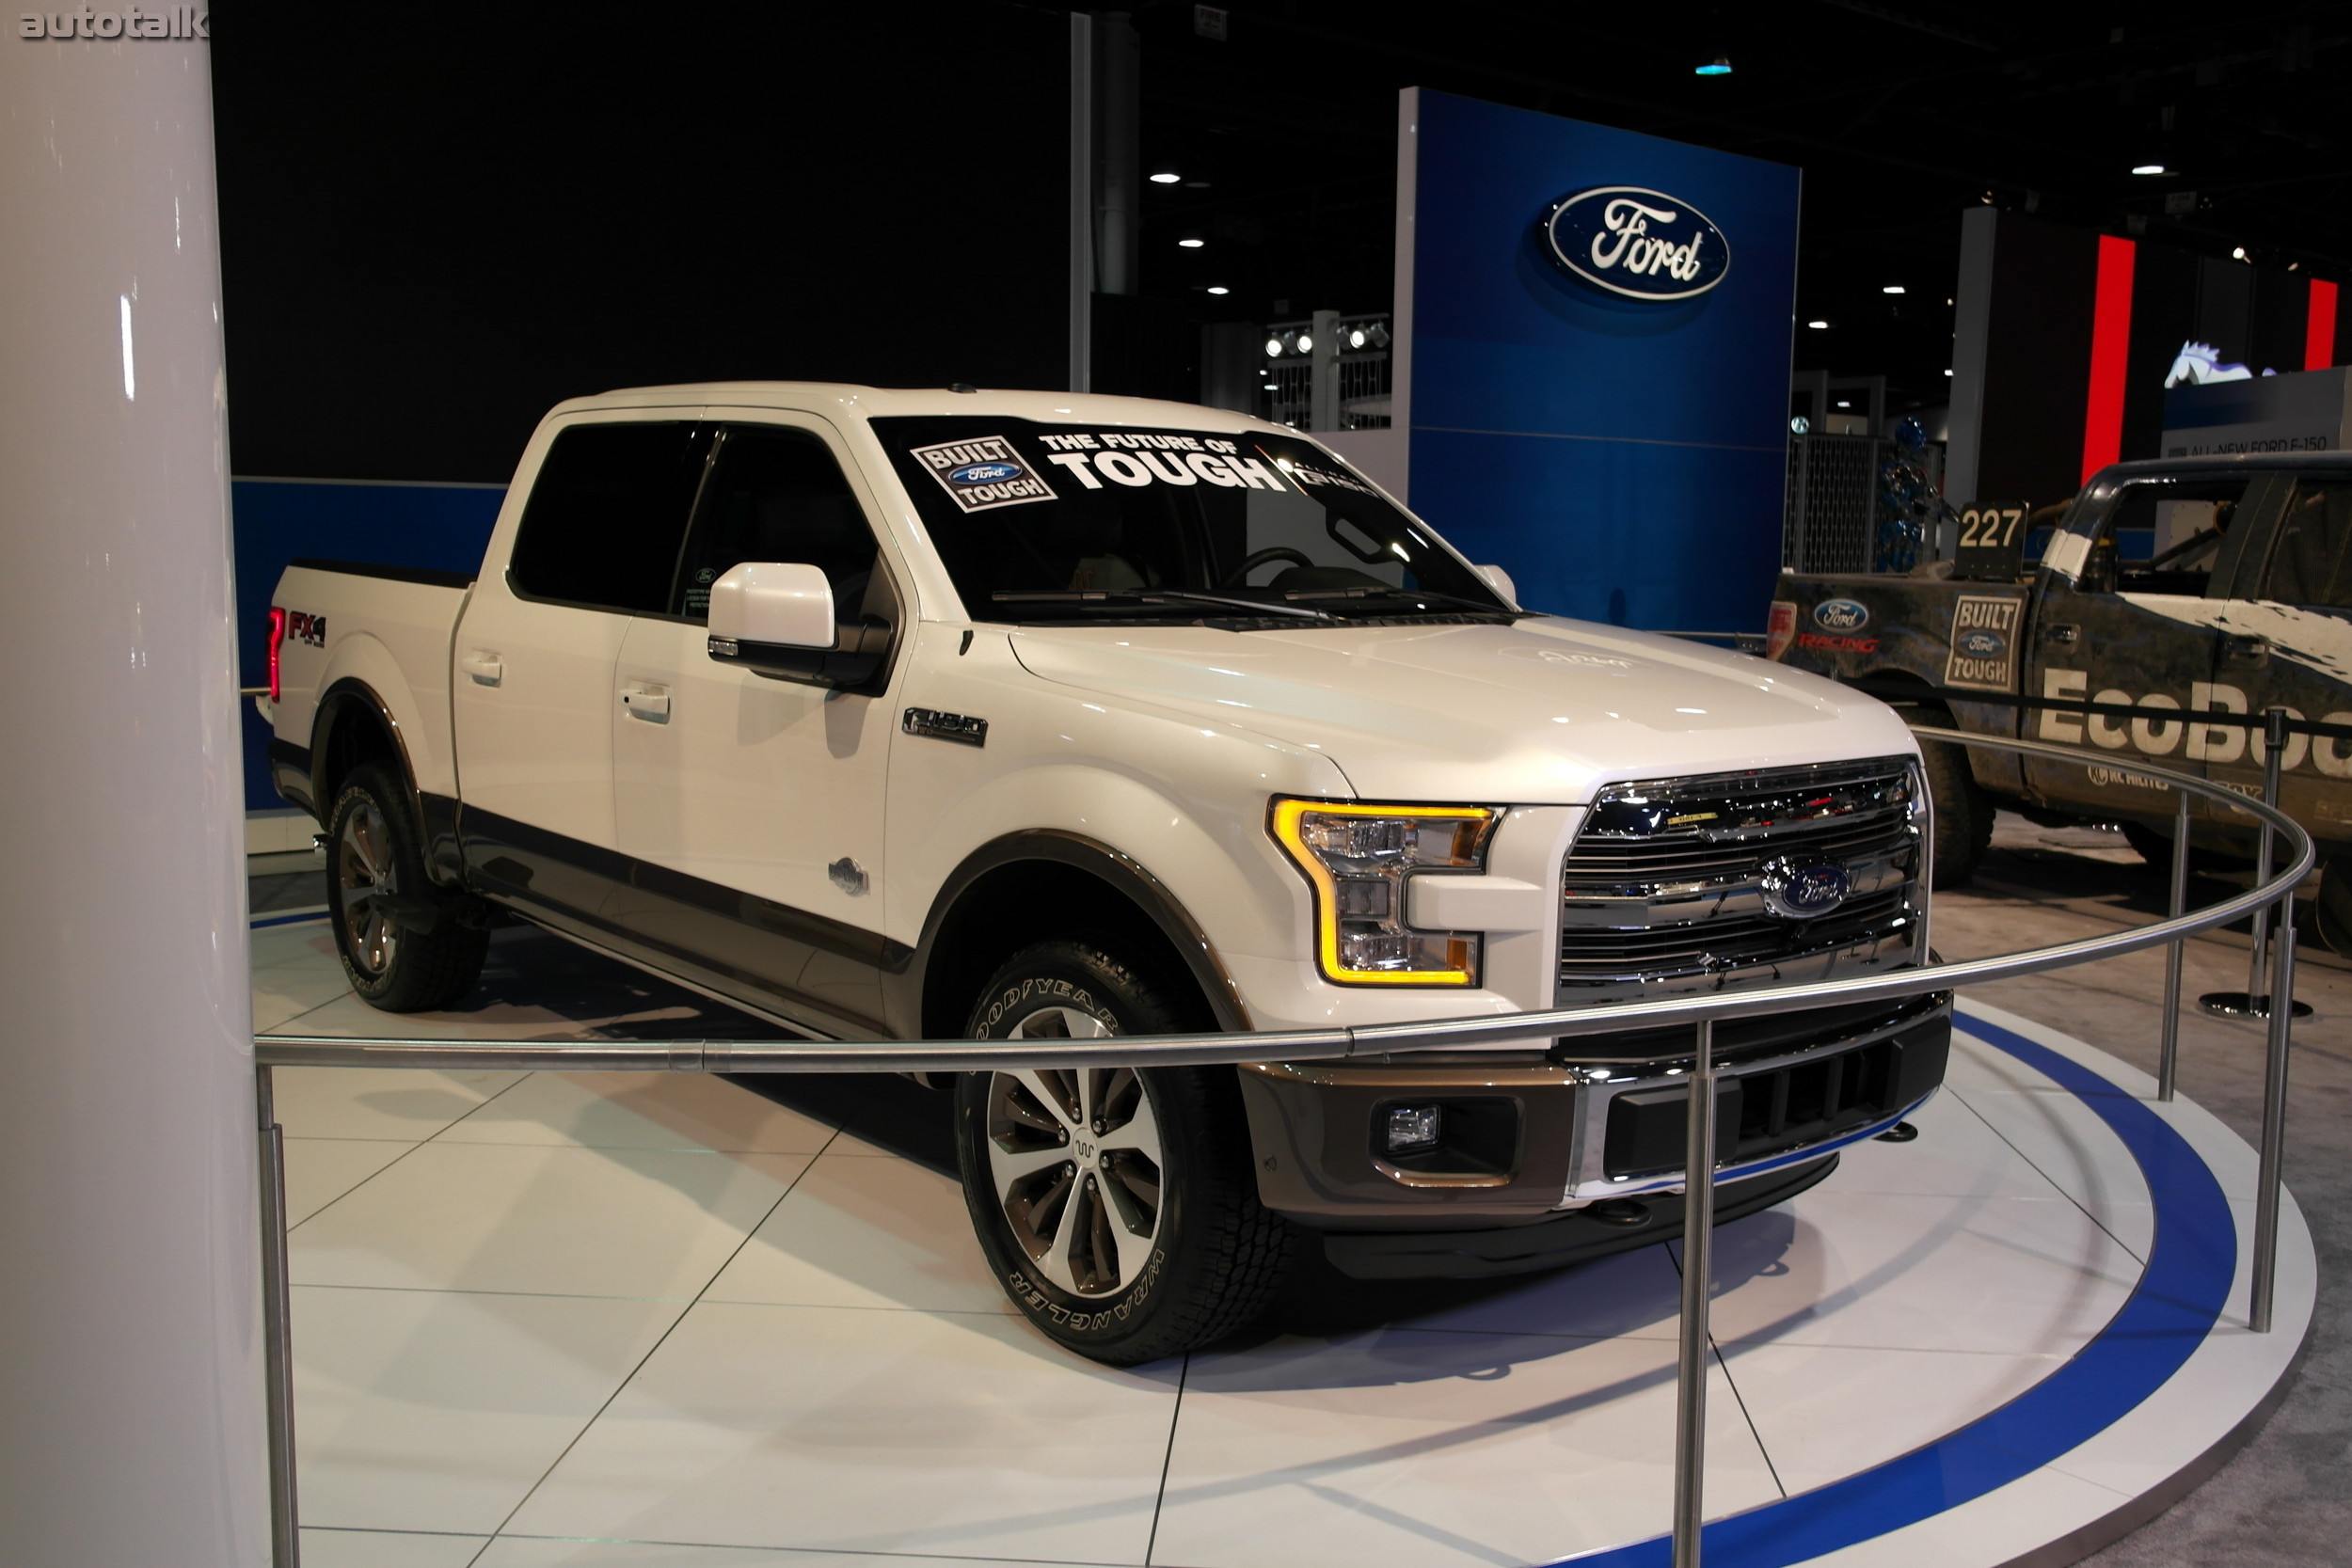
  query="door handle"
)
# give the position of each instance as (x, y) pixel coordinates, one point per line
(482, 666)
(650, 703)
(2246, 652)
(2062, 631)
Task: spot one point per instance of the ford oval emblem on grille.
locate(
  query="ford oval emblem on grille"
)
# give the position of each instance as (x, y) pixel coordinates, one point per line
(1796, 891)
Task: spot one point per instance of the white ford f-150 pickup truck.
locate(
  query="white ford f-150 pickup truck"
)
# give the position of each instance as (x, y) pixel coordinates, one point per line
(930, 713)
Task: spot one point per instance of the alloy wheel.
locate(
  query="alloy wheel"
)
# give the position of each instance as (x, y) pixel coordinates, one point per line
(1075, 1158)
(364, 876)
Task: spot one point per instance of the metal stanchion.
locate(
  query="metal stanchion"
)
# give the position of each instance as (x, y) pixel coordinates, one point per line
(278, 1343)
(2273, 1119)
(1698, 1248)
(2254, 1002)
(2169, 1047)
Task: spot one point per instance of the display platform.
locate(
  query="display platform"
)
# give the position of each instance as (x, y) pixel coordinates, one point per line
(629, 1320)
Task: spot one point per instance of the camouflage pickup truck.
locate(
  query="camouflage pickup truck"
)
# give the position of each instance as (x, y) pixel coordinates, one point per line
(2177, 587)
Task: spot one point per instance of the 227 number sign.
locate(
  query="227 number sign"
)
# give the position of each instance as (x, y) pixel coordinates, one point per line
(1992, 543)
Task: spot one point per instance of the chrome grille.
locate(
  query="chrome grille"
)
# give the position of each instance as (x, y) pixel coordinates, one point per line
(1667, 880)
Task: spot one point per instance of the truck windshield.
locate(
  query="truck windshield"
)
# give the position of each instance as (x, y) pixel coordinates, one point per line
(1061, 523)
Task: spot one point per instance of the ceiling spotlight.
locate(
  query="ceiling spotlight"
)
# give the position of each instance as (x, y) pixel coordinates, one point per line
(1719, 66)
(1192, 245)
(1273, 348)
(1219, 288)
(1845, 404)
(1165, 178)
(1891, 289)
(2238, 255)
(2150, 169)
(1819, 326)
(1947, 371)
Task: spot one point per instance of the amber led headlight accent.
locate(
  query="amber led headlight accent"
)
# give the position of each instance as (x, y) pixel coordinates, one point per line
(1358, 857)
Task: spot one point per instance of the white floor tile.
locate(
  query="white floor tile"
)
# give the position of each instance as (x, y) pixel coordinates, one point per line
(1632, 1295)
(867, 1232)
(640, 1110)
(605, 1221)
(2068, 1143)
(375, 1548)
(320, 1170)
(862, 1431)
(1404, 1447)
(307, 945)
(1828, 1411)
(290, 990)
(515, 1551)
(2008, 1276)
(400, 1103)
(1955, 1155)
(420, 1410)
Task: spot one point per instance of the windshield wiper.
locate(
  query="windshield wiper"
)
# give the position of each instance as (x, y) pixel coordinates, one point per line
(1397, 593)
(1156, 595)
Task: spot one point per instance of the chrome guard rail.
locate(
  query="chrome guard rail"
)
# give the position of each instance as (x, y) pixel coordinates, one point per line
(1466, 1034)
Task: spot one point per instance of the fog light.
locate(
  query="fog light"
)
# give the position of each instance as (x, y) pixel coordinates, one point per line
(1414, 1129)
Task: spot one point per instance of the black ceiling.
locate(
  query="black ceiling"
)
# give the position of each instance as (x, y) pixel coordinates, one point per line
(1901, 116)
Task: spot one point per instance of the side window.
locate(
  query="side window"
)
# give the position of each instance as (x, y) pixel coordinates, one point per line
(2310, 561)
(2163, 535)
(607, 515)
(776, 494)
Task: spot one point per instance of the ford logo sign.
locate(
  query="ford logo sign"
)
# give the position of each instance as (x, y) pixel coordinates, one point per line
(984, 474)
(1982, 644)
(1796, 891)
(1639, 244)
(1841, 615)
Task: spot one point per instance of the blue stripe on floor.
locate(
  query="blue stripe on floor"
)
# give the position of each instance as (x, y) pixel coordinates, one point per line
(2191, 1268)
(259, 921)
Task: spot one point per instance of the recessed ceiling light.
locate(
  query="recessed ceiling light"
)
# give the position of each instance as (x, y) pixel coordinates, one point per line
(1192, 245)
(1219, 288)
(1845, 404)
(2238, 255)
(1719, 66)
(2150, 169)
(1818, 326)
(1948, 373)
(1891, 289)
(1165, 178)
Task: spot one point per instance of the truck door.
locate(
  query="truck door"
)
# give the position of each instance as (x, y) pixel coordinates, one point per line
(532, 682)
(751, 807)
(2144, 633)
(2288, 642)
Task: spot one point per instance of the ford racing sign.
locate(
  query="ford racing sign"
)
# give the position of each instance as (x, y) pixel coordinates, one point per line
(1640, 244)
(1841, 615)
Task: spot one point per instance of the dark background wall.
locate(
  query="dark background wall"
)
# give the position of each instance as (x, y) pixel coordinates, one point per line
(439, 220)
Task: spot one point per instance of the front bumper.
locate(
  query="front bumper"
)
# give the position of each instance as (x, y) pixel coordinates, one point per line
(1597, 1117)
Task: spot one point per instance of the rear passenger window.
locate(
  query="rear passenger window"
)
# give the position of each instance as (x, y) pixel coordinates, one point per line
(2311, 563)
(608, 514)
(776, 494)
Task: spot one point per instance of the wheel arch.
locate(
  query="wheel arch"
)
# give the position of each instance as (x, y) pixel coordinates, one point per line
(1029, 886)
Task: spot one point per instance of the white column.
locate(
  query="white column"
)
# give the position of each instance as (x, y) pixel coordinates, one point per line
(131, 1407)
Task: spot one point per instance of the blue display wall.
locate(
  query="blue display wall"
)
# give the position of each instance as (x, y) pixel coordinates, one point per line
(441, 527)
(1599, 403)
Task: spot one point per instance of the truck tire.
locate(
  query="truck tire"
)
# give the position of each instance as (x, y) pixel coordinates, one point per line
(401, 941)
(1963, 812)
(1117, 1206)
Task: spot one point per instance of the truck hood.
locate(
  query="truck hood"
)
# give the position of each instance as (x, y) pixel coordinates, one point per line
(1539, 713)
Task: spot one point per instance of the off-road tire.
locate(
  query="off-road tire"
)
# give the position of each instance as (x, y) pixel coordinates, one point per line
(1963, 812)
(430, 956)
(1214, 1255)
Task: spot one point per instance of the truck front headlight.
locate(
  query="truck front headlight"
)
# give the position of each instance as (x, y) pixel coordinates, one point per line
(1358, 857)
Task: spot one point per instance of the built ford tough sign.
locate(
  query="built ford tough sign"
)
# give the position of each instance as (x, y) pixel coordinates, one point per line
(934, 714)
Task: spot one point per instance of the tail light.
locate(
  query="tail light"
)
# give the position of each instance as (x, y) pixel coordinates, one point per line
(277, 641)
